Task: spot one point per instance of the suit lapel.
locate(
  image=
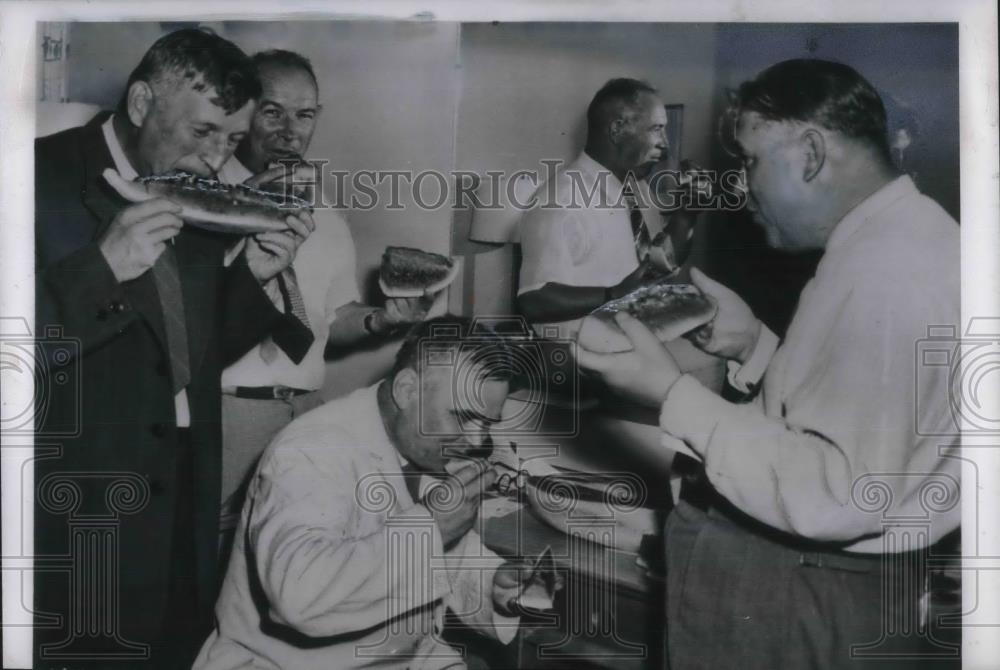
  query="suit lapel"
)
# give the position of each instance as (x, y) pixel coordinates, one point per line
(101, 200)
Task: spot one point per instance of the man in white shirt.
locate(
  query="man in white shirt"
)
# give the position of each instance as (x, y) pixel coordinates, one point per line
(582, 252)
(791, 551)
(269, 386)
(357, 532)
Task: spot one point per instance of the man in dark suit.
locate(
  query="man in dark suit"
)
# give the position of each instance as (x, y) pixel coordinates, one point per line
(128, 497)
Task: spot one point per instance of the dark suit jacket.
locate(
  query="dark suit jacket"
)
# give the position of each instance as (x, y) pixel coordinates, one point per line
(113, 450)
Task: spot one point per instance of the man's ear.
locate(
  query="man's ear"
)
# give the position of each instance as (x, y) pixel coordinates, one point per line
(815, 149)
(139, 102)
(616, 130)
(406, 388)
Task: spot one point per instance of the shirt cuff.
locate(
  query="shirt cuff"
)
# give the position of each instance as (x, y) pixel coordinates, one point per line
(233, 252)
(742, 377)
(691, 413)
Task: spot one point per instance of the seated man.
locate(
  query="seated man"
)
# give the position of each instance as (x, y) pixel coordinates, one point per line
(341, 560)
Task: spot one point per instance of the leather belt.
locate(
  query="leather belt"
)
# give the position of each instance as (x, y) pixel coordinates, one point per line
(698, 492)
(264, 392)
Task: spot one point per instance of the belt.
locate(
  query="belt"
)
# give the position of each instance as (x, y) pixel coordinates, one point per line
(264, 392)
(698, 492)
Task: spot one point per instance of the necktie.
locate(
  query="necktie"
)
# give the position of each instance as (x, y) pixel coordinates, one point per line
(168, 286)
(293, 335)
(640, 234)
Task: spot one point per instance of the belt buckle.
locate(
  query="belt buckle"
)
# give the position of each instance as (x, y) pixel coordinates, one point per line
(283, 393)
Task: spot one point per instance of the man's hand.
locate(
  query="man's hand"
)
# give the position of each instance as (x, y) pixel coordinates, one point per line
(270, 253)
(137, 236)
(454, 503)
(733, 333)
(641, 275)
(645, 374)
(512, 578)
(298, 180)
(404, 311)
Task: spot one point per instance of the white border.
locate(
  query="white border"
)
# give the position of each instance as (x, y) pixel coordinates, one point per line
(980, 197)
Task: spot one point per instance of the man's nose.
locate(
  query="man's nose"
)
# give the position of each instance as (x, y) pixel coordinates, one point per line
(215, 155)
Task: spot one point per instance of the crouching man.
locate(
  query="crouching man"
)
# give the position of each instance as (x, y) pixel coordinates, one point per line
(357, 530)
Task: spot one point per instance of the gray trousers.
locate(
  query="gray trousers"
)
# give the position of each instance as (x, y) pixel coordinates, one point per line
(248, 426)
(738, 599)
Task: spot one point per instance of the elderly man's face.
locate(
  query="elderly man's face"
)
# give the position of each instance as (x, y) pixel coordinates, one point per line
(285, 119)
(645, 141)
(780, 198)
(454, 414)
(183, 129)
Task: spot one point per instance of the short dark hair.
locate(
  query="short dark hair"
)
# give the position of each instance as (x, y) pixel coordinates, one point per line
(830, 94)
(621, 91)
(193, 54)
(445, 337)
(286, 59)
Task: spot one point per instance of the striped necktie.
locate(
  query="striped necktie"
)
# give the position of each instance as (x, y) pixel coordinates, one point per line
(168, 286)
(289, 284)
(640, 234)
(293, 335)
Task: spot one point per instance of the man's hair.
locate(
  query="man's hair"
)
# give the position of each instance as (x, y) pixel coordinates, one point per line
(205, 59)
(454, 341)
(285, 59)
(614, 96)
(831, 95)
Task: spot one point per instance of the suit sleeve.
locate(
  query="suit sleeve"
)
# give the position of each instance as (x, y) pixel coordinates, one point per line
(75, 289)
(248, 314)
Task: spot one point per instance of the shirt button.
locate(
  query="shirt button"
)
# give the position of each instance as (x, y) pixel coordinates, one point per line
(158, 429)
(116, 306)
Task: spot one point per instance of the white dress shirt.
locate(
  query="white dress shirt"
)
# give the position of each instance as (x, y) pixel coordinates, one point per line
(347, 571)
(182, 410)
(836, 421)
(325, 268)
(580, 245)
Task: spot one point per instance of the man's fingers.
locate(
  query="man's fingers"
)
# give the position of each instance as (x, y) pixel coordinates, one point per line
(463, 469)
(707, 285)
(280, 240)
(642, 337)
(302, 223)
(139, 212)
(267, 176)
(159, 222)
(702, 335)
(591, 360)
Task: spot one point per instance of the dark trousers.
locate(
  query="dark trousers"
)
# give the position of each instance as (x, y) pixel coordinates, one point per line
(184, 626)
(737, 598)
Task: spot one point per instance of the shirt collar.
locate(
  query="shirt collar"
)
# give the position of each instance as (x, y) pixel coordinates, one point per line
(611, 186)
(868, 208)
(122, 164)
(377, 430)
